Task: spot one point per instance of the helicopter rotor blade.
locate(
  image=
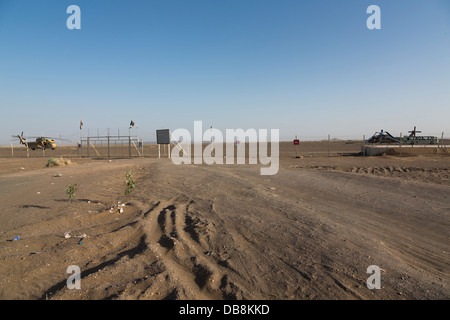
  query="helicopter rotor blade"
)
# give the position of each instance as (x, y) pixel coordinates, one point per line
(59, 139)
(17, 136)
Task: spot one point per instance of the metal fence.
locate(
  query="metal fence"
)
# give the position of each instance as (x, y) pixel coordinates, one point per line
(128, 146)
(111, 147)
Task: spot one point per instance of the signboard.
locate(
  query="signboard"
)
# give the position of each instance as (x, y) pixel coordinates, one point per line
(163, 136)
(296, 142)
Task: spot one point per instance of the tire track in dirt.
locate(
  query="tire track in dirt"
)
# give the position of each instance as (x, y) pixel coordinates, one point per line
(175, 242)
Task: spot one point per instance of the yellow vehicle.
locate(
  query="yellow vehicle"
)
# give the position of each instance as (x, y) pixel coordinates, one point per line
(40, 143)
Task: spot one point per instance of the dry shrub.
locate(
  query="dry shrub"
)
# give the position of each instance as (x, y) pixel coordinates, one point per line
(58, 162)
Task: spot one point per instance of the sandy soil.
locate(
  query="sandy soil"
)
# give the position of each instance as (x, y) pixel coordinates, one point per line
(225, 231)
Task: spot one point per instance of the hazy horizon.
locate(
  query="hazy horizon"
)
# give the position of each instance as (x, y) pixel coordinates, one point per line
(308, 69)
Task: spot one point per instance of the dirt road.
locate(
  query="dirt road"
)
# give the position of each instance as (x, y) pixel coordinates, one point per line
(226, 232)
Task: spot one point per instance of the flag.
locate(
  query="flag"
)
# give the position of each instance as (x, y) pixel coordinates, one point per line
(81, 124)
(131, 124)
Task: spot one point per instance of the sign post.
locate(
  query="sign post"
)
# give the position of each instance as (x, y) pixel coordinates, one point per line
(162, 137)
(296, 143)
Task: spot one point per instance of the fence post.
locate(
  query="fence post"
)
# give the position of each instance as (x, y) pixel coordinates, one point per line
(109, 154)
(129, 146)
(88, 143)
(401, 141)
(328, 145)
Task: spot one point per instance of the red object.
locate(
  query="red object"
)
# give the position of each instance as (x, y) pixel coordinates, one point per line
(296, 142)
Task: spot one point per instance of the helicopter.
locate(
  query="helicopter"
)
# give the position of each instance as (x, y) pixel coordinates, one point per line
(414, 139)
(39, 143)
(411, 139)
(382, 137)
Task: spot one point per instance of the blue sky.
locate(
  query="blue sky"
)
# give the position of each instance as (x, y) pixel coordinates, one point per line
(308, 68)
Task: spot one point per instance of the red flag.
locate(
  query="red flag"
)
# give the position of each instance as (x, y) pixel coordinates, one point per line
(81, 124)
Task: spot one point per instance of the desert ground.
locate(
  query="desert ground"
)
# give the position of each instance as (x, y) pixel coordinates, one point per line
(225, 231)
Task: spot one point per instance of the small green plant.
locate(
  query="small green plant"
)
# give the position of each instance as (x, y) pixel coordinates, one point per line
(70, 191)
(129, 182)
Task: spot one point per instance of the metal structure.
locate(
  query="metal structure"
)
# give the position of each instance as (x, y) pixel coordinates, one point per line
(109, 146)
(414, 139)
(413, 132)
(382, 137)
(163, 136)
